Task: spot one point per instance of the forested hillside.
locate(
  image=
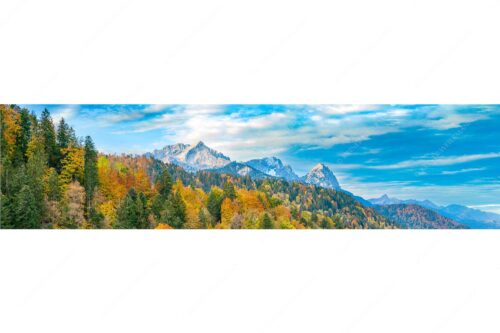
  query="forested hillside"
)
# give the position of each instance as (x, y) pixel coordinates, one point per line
(411, 216)
(53, 179)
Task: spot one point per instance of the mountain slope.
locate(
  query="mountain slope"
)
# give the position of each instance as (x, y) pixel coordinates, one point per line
(470, 217)
(273, 166)
(410, 216)
(321, 175)
(474, 218)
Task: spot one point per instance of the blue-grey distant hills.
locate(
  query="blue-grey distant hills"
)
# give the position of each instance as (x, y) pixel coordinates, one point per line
(473, 218)
(411, 216)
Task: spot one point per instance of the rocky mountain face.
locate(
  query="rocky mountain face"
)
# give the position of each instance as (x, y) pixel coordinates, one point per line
(192, 157)
(321, 176)
(240, 169)
(200, 157)
(273, 166)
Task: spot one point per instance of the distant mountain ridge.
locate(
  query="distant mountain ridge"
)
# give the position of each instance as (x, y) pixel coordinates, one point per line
(473, 218)
(410, 216)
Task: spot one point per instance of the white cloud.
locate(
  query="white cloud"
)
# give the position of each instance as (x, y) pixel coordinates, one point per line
(67, 112)
(453, 172)
(493, 208)
(359, 152)
(155, 108)
(344, 108)
(436, 161)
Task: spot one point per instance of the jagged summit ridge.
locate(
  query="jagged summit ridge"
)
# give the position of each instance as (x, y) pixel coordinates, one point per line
(192, 157)
(273, 166)
(201, 157)
(321, 175)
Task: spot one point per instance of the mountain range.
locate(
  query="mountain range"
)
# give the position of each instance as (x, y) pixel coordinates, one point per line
(201, 157)
(411, 216)
(409, 213)
(473, 218)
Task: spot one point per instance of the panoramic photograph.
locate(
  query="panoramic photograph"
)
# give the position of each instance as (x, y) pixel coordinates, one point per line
(250, 166)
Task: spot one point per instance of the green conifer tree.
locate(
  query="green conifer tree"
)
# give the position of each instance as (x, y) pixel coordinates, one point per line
(49, 135)
(90, 173)
(229, 191)
(267, 223)
(27, 215)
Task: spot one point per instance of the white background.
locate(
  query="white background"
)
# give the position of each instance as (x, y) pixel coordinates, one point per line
(249, 52)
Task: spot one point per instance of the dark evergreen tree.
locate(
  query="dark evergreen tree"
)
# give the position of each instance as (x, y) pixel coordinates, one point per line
(90, 174)
(35, 171)
(204, 219)
(49, 136)
(27, 215)
(23, 137)
(267, 223)
(229, 191)
(214, 203)
(63, 134)
(164, 184)
(6, 216)
(133, 212)
(142, 211)
(314, 219)
(174, 213)
(126, 214)
(53, 189)
(73, 140)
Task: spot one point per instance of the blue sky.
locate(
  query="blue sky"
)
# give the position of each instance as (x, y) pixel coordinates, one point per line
(445, 153)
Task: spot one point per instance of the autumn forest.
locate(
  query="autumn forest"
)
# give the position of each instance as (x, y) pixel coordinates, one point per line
(53, 179)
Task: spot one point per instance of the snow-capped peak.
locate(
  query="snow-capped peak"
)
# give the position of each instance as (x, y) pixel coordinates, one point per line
(273, 166)
(321, 175)
(192, 157)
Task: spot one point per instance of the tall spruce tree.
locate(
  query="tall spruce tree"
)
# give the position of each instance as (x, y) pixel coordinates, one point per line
(174, 213)
(164, 184)
(267, 223)
(142, 211)
(132, 212)
(23, 137)
(214, 203)
(63, 134)
(229, 191)
(27, 215)
(126, 214)
(35, 171)
(49, 136)
(90, 175)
